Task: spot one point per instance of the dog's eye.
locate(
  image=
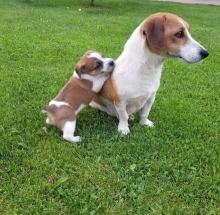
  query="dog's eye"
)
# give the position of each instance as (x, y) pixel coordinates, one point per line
(99, 64)
(179, 34)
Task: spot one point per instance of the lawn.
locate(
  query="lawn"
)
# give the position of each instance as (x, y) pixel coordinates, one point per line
(173, 168)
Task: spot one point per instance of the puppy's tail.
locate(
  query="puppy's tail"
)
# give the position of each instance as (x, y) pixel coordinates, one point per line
(47, 109)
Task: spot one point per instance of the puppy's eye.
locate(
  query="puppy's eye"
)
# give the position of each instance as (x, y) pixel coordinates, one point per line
(99, 64)
(179, 34)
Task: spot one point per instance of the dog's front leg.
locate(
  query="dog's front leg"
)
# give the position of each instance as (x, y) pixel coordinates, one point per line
(123, 119)
(144, 112)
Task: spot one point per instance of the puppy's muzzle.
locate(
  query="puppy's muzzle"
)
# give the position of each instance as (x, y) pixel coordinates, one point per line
(111, 63)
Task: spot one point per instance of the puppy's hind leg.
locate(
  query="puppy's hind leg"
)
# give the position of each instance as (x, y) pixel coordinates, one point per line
(68, 132)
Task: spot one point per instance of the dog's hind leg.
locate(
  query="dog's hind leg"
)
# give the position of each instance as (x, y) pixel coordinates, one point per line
(144, 112)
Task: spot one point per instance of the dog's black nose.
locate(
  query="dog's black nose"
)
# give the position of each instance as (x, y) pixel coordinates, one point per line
(203, 53)
(111, 63)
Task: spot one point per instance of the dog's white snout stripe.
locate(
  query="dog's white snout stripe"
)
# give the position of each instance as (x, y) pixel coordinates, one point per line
(191, 51)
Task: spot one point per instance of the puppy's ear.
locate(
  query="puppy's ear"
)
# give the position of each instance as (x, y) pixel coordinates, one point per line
(154, 32)
(79, 69)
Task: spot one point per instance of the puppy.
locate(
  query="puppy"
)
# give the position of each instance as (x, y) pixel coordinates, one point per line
(92, 71)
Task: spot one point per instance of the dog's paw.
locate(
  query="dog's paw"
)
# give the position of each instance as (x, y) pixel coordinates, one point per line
(73, 139)
(123, 130)
(131, 118)
(147, 122)
(76, 139)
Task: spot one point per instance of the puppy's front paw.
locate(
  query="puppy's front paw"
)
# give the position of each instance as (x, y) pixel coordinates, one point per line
(123, 130)
(147, 122)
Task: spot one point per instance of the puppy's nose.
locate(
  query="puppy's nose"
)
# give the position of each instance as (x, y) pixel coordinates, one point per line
(111, 63)
(203, 53)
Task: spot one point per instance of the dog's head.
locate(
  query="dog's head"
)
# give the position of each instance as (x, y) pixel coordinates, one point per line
(93, 63)
(168, 35)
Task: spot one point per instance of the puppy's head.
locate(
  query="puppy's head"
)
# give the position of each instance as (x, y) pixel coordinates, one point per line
(93, 63)
(168, 35)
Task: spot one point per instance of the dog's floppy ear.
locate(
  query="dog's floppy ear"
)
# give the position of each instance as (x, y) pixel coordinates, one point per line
(154, 32)
(79, 69)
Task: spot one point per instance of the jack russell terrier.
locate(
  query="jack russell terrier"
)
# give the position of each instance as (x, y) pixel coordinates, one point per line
(135, 80)
(92, 71)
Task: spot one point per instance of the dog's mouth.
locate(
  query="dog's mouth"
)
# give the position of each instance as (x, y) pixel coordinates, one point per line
(179, 57)
(175, 56)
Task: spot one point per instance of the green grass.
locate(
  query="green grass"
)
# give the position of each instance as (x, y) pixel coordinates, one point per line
(173, 168)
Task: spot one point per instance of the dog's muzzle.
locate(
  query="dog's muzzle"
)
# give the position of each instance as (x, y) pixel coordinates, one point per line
(203, 53)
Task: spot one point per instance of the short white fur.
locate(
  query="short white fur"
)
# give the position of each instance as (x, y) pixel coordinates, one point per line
(190, 52)
(97, 81)
(137, 77)
(68, 132)
(58, 103)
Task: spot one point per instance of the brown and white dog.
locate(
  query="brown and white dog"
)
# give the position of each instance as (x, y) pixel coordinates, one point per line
(92, 71)
(135, 80)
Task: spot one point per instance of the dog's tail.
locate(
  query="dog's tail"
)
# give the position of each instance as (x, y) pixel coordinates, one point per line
(47, 109)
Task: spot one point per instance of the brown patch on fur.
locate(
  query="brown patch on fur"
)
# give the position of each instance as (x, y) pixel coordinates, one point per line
(59, 115)
(154, 31)
(159, 32)
(97, 100)
(75, 93)
(109, 91)
(87, 65)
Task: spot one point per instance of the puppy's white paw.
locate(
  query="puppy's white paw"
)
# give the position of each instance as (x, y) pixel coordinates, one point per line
(77, 139)
(123, 130)
(147, 122)
(73, 139)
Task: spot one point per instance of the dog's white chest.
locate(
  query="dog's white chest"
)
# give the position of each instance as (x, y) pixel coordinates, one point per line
(139, 86)
(135, 104)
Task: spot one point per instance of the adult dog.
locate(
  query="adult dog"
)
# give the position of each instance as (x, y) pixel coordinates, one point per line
(136, 78)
